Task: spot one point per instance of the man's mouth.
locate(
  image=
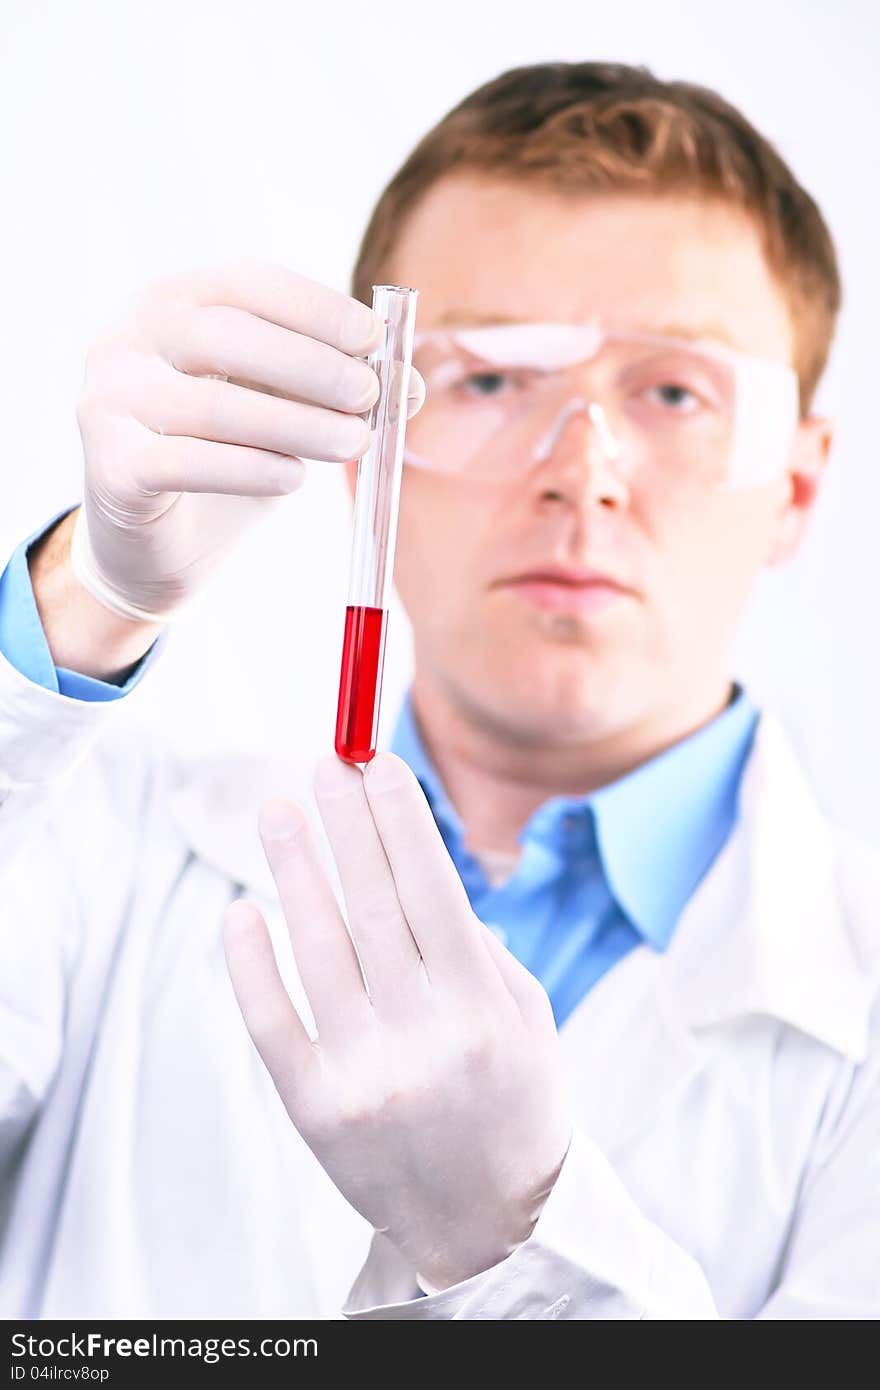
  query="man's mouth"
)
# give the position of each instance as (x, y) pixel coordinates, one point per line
(567, 589)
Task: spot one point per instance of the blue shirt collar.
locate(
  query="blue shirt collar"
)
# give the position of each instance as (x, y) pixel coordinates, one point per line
(660, 827)
(657, 829)
(407, 744)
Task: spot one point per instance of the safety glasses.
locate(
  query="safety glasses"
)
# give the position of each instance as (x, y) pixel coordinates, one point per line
(501, 398)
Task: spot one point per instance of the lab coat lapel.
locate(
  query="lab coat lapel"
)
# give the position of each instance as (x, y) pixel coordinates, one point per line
(766, 931)
(626, 1051)
(763, 933)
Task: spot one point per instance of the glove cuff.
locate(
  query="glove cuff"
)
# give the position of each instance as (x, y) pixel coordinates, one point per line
(82, 562)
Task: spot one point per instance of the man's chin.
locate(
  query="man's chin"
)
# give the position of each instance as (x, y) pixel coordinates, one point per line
(560, 714)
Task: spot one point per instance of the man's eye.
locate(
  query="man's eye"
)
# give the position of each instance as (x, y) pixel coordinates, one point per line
(485, 383)
(678, 397)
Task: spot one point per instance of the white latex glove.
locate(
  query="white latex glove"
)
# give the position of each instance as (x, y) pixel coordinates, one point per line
(194, 410)
(436, 1103)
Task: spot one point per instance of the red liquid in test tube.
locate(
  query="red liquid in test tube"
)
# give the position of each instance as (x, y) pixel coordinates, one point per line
(360, 682)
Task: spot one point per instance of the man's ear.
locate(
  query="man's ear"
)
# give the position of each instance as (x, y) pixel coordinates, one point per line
(810, 451)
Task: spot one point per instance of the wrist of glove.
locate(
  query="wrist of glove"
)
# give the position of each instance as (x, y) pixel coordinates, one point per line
(134, 603)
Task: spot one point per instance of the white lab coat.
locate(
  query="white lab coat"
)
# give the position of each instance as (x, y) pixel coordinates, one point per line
(726, 1159)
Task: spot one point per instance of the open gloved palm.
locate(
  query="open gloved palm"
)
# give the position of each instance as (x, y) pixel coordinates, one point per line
(433, 1093)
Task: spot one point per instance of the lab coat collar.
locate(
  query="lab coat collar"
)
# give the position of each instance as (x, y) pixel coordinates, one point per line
(764, 933)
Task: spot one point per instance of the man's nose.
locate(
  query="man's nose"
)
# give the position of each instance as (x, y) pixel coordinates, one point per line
(580, 451)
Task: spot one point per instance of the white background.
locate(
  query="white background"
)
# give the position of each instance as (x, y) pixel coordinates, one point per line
(139, 139)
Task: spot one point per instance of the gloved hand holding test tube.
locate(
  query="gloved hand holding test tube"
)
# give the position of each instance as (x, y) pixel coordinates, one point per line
(376, 505)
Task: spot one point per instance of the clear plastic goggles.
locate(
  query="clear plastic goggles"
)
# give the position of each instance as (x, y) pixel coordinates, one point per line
(500, 398)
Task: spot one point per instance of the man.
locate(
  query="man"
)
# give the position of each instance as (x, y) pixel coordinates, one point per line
(599, 1038)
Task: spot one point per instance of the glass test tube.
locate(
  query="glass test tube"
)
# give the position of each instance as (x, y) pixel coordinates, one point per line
(377, 497)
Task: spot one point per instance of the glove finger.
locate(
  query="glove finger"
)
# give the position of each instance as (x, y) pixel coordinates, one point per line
(414, 401)
(527, 990)
(277, 1031)
(325, 956)
(222, 341)
(226, 413)
(417, 392)
(282, 296)
(431, 893)
(176, 463)
(379, 928)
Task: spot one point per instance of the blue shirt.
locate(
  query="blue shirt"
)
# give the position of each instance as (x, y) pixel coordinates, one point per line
(598, 873)
(23, 642)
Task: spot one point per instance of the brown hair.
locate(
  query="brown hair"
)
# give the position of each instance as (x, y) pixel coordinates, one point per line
(596, 127)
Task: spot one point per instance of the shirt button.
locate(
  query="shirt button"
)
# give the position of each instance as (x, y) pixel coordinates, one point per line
(498, 931)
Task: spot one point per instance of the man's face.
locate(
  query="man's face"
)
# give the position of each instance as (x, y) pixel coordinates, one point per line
(688, 554)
